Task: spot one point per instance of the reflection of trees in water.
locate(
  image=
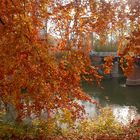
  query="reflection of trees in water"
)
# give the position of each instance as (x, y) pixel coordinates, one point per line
(137, 62)
(125, 113)
(116, 93)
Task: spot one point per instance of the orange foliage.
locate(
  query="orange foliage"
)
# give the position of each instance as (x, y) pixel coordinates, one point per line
(131, 51)
(108, 64)
(32, 76)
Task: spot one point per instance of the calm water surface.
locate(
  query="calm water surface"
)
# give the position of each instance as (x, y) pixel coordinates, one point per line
(124, 100)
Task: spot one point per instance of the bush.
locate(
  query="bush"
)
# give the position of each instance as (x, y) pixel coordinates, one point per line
(62, 127)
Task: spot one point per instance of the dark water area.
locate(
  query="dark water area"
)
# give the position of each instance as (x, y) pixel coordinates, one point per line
(124, 100)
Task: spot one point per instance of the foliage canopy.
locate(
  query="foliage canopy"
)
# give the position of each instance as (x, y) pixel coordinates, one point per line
(36, 75)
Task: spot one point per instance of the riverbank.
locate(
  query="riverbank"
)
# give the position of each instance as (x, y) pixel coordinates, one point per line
(104, 127)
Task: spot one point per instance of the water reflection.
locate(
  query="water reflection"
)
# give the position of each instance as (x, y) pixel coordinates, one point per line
(124, 100)
(124, 114)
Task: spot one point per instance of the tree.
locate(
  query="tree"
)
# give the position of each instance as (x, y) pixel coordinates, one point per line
(32, 78)
(129, 49)
(36, 76)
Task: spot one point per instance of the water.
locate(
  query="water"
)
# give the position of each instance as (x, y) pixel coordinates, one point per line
(124, 100)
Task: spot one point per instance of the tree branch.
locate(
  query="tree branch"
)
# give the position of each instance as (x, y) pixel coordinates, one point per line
(2, 21)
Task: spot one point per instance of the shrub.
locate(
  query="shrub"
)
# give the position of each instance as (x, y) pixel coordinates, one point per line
(62, 127)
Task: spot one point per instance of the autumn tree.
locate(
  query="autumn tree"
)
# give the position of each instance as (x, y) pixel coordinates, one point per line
(35, 76)
(32, 78)
(129, 34)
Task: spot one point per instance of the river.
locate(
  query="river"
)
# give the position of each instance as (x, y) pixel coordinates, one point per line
(124, 100)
